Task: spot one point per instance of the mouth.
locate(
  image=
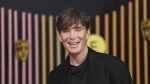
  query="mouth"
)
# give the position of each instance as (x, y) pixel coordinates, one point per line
(73, 44)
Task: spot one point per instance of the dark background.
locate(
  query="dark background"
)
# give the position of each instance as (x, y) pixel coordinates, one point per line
(92, 7)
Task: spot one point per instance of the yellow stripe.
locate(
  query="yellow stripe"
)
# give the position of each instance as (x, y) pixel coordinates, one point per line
(145, 45)
(51, 47)
(43, 49)
(114, 31)
(106, 16)
(130, 22)
(97, 24)
(58, 44)
(137, 46)
(66, 53)
(122, 9)
(58, 50)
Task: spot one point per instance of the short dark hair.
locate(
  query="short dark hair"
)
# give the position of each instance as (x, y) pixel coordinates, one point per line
(72, 16)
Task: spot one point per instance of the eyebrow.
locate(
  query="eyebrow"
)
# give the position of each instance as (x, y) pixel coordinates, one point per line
(77, 26)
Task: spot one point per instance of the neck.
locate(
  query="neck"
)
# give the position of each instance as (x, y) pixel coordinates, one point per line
(79, 58)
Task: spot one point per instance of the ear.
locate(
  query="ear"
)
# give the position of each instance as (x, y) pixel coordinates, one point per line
(88, 34)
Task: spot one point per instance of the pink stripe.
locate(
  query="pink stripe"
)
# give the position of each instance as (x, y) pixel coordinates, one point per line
(30, 49)
(10, 46)
(36, 20)
(15, 39)
(24, 38)
(3, 47)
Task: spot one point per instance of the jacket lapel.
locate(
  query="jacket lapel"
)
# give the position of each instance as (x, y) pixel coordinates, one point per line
(94, 67)
(64, 72)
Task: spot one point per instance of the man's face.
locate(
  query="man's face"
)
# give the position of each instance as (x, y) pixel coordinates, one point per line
(74, 38)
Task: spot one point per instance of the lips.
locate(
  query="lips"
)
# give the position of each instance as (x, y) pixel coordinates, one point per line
(73, 44)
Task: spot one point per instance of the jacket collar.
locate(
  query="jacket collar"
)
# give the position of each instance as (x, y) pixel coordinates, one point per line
(93, 65)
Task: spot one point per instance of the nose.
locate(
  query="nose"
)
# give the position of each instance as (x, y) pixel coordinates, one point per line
(72, 35)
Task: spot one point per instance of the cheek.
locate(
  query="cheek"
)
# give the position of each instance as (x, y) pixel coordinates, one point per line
(82, 37)
(64, 38)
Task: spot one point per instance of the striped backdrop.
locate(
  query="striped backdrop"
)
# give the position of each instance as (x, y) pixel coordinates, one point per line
(121, 32)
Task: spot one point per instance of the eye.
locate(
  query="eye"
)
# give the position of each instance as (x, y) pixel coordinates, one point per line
(65, 31)
(78, 29)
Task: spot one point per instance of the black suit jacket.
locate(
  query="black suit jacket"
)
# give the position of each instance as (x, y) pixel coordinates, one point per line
(104, 69)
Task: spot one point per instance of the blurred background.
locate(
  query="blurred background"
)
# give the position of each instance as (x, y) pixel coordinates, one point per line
(30, 48)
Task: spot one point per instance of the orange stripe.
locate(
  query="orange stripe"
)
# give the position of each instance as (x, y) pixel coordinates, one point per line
(114, 32)
(145, 45)
(122, 9)
(137, 44)
(97, 24)
(106, 16)
(130, 36)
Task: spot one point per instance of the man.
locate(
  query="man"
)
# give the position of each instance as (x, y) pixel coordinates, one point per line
(84, 65)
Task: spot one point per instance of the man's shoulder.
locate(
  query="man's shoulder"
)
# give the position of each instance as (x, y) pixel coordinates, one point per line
(103, 57)
(56, 74)
(106, 61)
(57, 71)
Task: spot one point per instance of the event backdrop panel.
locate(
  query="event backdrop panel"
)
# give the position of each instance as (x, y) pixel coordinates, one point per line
(30, 48)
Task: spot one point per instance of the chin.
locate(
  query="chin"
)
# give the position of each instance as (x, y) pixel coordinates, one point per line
(73, 51)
